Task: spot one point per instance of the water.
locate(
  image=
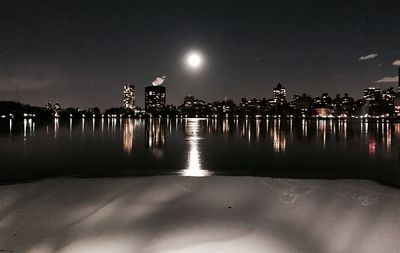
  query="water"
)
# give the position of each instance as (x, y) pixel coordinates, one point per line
(293, 148)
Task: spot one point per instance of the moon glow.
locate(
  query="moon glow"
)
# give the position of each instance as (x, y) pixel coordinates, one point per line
(194, 60)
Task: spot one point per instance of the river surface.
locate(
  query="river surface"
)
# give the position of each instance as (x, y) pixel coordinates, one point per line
(291, 148)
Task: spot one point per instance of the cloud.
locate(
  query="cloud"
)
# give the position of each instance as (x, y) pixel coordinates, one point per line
(24, 84)
(31, 77)
(396, 63)
(388, 79)
(159, 81)
(367, 57)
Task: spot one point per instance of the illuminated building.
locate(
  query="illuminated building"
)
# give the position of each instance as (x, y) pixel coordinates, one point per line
(155, 98)
(346, 102)
(397, 99)
(323, 112)
(372, 94)
(252, 106)
(192, 106)
(189, 100)
(323, 102)
(389, 95)
(279, 94)
(397, 106)
(129, 96)
(343, 105)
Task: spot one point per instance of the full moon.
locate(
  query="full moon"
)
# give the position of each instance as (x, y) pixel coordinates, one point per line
(194, 60)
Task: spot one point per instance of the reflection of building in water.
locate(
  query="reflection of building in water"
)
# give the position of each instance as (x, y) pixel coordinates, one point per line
(128, 135)
(194, 166)
(155, 135)
(343, 128)
(304, 125)
(56, 127)
(372, 146)
(278, 137)
(397, 134)
(322, 130)
(225, 126)
(388, 136)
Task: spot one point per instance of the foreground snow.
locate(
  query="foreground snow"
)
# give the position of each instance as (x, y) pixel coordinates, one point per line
(211, 214)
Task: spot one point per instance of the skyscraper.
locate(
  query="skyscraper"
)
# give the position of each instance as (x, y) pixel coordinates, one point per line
(372, 93)
(398, 81)
(129, 96)
(397, 99)
(155, 96)
(279, 94)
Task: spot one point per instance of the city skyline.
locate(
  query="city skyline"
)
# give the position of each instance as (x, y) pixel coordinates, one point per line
(376, 102)
(199, 126)
(63, 51)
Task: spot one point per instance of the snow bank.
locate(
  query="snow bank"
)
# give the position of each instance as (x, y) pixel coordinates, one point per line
(210, 214)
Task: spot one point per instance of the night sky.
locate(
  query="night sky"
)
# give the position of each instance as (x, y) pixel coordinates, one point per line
(80, 53)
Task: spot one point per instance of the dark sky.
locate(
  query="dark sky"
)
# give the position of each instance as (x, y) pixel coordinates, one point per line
(80, 53)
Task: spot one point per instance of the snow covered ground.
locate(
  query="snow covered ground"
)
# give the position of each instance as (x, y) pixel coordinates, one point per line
(209, 214)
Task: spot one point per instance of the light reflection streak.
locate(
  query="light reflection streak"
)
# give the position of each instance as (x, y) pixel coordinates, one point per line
(128, 136)
(30, 124)
(372, 146)
(397, 136)
(278, 137)
(248, 130)
(70, 129)
(10, 127)
(321, 128)
(388, 137)
(225, 126)
(366, 126)
(25, 123)
(113, 125)
(194, 166)
(56, 126)
(83, 126)
(155, 136)
(304, 127)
